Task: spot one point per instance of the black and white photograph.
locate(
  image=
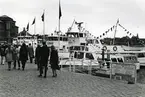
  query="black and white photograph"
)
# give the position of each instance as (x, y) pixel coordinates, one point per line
(72, 48)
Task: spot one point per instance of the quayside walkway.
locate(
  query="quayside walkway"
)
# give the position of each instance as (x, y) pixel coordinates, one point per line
(18, 83)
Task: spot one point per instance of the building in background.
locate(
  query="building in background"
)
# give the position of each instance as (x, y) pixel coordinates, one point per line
(8, 29)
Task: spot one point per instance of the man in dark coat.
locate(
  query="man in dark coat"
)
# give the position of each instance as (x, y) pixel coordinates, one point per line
(37, 56)
(30, 52)
(44, 54)
(23, 55)
(54, 61)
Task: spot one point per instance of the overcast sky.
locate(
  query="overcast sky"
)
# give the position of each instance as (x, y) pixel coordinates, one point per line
(98, 15)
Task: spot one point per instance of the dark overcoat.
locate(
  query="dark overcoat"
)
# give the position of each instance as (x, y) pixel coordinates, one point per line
(23, 53)
(37, 52)
(44, 54)
(54, 59)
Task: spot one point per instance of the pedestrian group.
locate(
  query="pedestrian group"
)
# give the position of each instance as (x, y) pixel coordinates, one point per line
(19, 54)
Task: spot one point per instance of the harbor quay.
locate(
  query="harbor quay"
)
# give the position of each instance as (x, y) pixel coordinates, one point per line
(18, 83)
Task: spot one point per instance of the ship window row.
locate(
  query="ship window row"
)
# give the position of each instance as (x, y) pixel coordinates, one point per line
(57, 38)
(76, 35)
(91, 41)
(79, 48)
(80, 55)
(25, 38)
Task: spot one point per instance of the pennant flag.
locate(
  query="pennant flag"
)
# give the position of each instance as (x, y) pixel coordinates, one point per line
(130, 34)
(127, 32)
(106, 32)
(103, 34)
(33, 21)
(60, 14)
(27, 27)
(111, 29)
(97, 37)
(42, 17)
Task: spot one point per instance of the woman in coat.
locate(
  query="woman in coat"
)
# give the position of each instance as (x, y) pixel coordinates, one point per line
(9, 56)
(16, 57)
(23, 55)
(54, 61)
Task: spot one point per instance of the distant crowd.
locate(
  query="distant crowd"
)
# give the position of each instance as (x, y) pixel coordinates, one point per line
(17, 56)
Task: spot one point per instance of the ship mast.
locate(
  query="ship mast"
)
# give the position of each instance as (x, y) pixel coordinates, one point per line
(115, 31)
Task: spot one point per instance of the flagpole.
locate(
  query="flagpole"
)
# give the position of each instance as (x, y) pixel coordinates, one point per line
(59, 33)
(27, 29)
(35, 27)
(59, 26)
(115, 31)
(35, 31)
(44, 25)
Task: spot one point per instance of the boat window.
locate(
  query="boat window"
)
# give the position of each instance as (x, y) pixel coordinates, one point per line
(86, 49)
(77, 48)
(134, 58)
(82, 43)
(114, 59)
(89, 56)
(90, 41)
(52, 38)
(80, 34)
(130, 59)
(140, 55)
(120, 59)
(65, 39)
(79, 55)
(71, 48)
(126, 59)
(82, 48)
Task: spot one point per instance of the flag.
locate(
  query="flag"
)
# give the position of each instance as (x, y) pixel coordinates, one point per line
(27, 27)
(33, 21)
(111, 28)
(60, 14)
(103, 34)
(42, 17)
(117, 21)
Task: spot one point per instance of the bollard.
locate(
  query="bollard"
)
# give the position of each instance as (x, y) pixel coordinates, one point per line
(74, 66)
(70, 64)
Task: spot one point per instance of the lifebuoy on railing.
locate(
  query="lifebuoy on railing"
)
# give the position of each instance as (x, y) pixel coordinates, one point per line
(115, 48)
(105, 48)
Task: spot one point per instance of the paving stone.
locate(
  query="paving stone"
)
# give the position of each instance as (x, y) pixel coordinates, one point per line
(18, 83)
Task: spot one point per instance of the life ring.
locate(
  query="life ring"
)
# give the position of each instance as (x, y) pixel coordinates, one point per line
(105, 48)
(114, 48)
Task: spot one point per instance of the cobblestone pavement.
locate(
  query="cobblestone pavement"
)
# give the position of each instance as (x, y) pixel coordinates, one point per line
(18, 83)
